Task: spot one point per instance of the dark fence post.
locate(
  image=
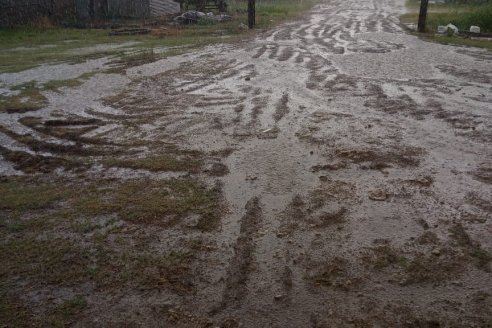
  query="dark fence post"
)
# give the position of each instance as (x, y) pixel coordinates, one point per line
(251, 13)
(423, 15)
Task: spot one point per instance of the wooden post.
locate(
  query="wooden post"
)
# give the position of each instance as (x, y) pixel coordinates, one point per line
(423, 15)
(92, 12)
(251, 13)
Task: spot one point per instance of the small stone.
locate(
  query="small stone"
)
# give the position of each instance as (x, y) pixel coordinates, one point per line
(475, 29)
(378, 195)
(247, 78)
(278, 297)
(436, 252)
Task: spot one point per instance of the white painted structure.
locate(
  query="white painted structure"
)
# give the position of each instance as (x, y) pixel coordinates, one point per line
(163, 7)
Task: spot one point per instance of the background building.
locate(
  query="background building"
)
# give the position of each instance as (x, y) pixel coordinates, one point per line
(14, 12)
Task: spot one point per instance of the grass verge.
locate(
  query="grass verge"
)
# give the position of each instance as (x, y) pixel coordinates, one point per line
(463, 15)
(23, 48)
(105, 235)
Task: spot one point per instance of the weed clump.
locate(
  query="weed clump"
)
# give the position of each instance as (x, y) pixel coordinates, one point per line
(473, 249)
(160, 203)
(166, 162)
(29, 98)
(333, 273)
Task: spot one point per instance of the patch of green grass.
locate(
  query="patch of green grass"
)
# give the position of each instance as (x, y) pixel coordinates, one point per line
(27, 47)
(385, 256)
(481, 257)
(430, 268)
(28, 98)
(168, 270)
(58, 262)
(30, 163)
(463, 15)
(332, 273)
(64, 262)
(137, 58)
(65, 313)
(86, 227)
(17, 195)
(13, 223)
(166, 162)
(54, 261)
(160, 203)
(418, 267)
(40, 145)
(131, 269)
(61, 254)
(272, 12)
(14, 314)
(55, 85)
(459, 41)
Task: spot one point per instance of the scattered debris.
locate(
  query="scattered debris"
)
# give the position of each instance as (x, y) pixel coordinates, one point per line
(451, 29)
(423, 181)
(192, 17)
(441, 29)
(270, 133)
(278, 297)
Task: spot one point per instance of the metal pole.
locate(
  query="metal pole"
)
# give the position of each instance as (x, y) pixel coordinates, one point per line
(423, 15)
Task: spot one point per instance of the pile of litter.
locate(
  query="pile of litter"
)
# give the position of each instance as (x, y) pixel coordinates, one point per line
(451, 29)
(193, 17)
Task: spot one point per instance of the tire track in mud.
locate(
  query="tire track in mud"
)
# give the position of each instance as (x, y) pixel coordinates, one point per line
(242, 262)
(336, 31)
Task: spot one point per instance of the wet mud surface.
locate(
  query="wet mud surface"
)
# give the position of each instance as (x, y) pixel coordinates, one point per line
(353, 163)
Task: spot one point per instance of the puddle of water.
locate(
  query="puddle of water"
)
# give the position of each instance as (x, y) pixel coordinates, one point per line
(46, 73)
(102, 48)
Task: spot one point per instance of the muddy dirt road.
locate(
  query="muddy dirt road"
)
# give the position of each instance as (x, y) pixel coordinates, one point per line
(354, 164)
